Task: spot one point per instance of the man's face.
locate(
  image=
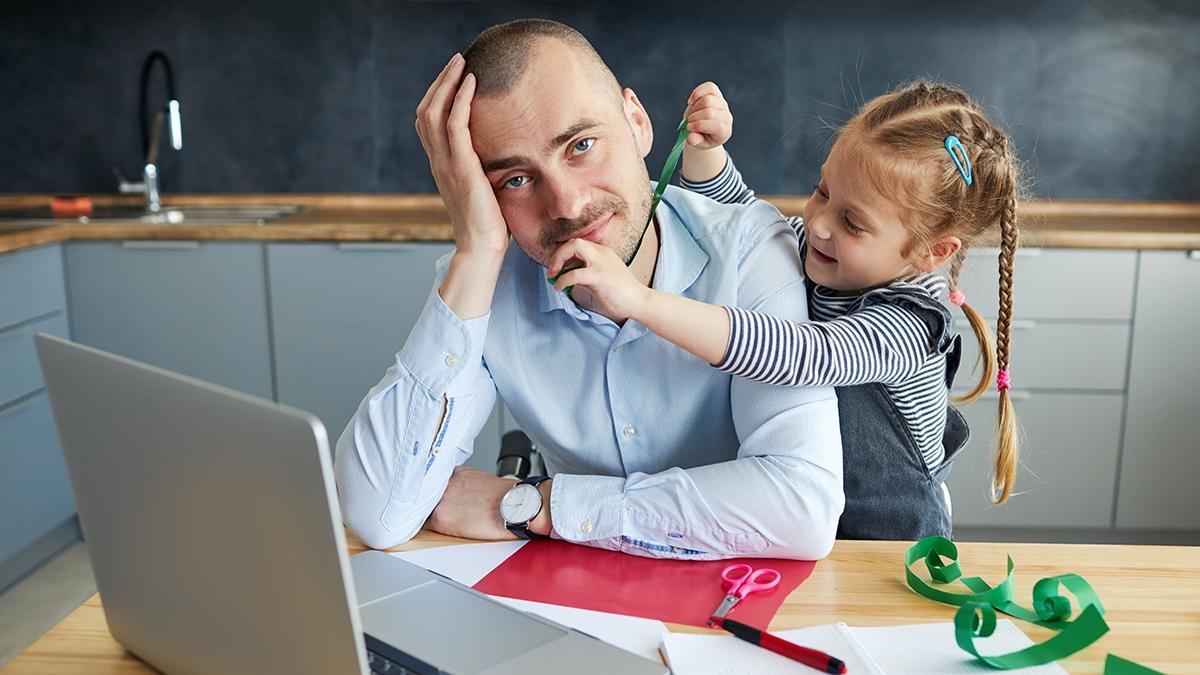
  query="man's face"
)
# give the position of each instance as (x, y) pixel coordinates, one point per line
(565, 157)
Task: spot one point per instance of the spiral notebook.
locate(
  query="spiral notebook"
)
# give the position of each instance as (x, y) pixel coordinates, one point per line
(884, 650)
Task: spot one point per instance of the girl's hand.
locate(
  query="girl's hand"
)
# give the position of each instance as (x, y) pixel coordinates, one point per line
(598, 276)
(710, 123)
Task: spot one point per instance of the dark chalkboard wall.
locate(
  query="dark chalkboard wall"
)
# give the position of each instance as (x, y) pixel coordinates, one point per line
(1102, 97)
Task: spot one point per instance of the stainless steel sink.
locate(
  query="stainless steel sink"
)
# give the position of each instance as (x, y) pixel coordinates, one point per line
(173, 215)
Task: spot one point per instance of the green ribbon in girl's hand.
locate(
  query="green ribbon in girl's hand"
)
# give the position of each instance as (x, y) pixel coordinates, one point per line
(681, 134)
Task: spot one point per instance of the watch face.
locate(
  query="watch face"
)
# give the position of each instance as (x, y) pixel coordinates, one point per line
(520, 504)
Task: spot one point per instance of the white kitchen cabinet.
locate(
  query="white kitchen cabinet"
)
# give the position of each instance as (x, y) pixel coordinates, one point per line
(37, 510)
(1160, 466)
(197, 308)
(1070, 342)
(339, 314)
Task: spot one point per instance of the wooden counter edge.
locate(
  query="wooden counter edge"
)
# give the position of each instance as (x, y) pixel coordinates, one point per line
(855, 574)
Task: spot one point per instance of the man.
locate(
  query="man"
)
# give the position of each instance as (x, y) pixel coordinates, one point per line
(652, 451)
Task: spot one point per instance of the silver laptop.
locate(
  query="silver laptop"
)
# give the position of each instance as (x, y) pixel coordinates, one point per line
(216, 539)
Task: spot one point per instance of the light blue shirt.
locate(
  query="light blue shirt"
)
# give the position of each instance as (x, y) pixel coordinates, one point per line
(653, 451)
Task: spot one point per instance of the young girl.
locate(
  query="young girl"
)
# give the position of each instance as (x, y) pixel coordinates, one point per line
(910, 181)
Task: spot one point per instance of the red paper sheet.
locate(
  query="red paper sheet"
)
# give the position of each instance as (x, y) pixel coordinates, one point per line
(678, 591)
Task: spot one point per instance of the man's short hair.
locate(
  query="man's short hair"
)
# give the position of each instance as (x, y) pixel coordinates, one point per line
(499, 55)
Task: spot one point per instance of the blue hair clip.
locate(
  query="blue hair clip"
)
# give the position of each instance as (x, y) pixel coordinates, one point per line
(960, 158)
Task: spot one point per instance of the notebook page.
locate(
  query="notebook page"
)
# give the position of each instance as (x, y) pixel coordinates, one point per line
(930, 648)
(689, 654)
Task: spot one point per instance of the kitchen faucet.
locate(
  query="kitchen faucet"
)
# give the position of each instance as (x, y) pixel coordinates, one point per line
(150, 138)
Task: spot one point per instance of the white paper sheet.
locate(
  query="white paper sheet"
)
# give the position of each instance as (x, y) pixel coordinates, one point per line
(631, 633)
(720, 654)
(930, 648)
(883, 650)
(464, 563)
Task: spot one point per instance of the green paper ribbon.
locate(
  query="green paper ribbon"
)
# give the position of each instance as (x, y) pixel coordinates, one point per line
(976, 617)
(936, 551)
(978, 620)
(669, 168)
(1115, 665)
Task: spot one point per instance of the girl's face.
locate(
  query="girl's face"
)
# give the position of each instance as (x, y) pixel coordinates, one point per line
(856, 240)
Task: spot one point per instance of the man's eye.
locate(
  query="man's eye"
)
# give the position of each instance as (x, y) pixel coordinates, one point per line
(516, 181)
(583, 145)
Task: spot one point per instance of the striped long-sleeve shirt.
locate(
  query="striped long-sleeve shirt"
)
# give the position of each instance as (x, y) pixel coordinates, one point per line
(895, 335)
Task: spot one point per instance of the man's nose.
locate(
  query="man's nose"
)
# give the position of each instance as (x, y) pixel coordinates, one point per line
(565, 199)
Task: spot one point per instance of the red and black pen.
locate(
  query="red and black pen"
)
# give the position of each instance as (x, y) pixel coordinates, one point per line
(810, 657)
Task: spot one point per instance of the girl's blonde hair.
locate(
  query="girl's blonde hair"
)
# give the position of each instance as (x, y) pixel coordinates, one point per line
(901, 138)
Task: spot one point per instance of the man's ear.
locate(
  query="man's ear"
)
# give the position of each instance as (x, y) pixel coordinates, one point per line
(938, 252)
(639, 121)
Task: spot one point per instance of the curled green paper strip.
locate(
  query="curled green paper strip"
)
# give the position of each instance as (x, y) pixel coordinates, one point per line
(1115, 665)
(1050, 609)
(941, 570)
(978, 620)
(976, 616)
(941, 560)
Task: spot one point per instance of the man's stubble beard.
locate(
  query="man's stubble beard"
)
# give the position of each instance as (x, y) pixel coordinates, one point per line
(631, 240)
(633, 221)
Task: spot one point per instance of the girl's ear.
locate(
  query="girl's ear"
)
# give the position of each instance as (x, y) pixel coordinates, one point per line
(938, 252)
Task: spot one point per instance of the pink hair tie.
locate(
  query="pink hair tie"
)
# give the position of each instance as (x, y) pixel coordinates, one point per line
(1002, 381)
(957, 297)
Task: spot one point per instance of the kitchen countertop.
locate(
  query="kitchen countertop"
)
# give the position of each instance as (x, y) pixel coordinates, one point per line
(421, 217)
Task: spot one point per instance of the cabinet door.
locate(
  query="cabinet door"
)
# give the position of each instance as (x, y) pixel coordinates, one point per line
(1055, 355)
(1067, 469)
(1160, 463)
(196, 308)
(35, 494)
(1055, 284)
(340, 312)
(31, 284)
(18, 359)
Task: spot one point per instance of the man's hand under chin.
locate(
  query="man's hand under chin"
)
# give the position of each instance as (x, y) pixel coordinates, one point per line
(470, 507)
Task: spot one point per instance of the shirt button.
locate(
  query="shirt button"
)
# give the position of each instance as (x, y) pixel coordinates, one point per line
(586, 526)
(451, 360)
(629, 431)
(617, 348)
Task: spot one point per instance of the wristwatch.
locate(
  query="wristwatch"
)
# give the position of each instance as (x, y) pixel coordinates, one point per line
(521, 504)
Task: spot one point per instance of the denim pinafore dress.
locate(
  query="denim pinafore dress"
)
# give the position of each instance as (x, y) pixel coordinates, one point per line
(890, 491)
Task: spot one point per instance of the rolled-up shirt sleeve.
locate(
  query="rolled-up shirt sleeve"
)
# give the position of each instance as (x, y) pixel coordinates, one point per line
(395, 457)
(782, 495)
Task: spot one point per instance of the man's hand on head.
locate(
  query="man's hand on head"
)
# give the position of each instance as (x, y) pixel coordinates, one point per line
(442, 119)
(480, 233)
(470, 507)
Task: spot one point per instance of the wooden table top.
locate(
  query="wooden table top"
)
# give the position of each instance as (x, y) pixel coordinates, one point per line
(1152, 594)
(421, 217)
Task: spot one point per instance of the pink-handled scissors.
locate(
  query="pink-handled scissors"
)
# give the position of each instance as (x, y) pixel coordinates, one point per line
(741, 580)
